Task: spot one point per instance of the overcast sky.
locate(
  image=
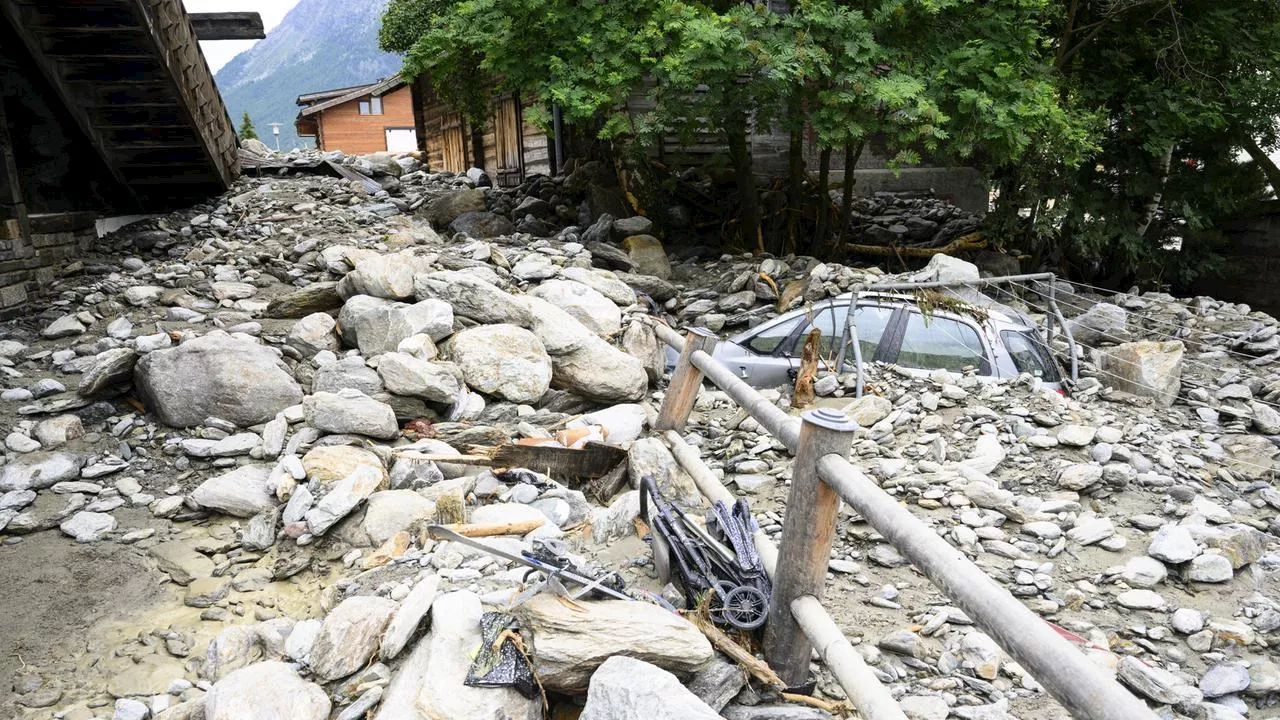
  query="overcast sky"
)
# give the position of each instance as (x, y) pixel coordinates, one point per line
(220, 52)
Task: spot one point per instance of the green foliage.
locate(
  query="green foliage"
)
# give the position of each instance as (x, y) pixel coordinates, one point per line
(247, 131)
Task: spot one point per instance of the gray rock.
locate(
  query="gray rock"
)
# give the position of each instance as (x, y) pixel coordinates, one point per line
(408, 616)
(407, 375)
(110, 368)
(386, 513)
(1140, 600)
(180, 562)
(443, 210)
(627, 689)
(65, 326)
(472, 298)
(129, 709)
(568, 645)
(1151, 682)
(583, 362)
(349, 372)
(1102, 323)
(243, 492)
(87, 527)
(640, 342)
(1173, 544)
(503, 360)
(385, 276)
(376, 325)
(1080, 476)
(1144, 572)
(716, 684)
(430, 683)
(779, 712)
(1187, 621)
(603, 282)
(650, 457)
(1224, 679)
(482, 225)
(597, 312)
(635, 225)
(314, 298)
(924, 707)
(1210, 568)
(314, 333)
(265, 691)
(350, 412)
(349, 636)
(39, 470)
(216, 375)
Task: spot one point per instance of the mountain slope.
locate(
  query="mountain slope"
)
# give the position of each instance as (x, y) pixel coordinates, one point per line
(320, 45)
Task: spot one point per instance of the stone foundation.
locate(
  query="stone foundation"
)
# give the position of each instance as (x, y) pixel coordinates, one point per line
(29, 263)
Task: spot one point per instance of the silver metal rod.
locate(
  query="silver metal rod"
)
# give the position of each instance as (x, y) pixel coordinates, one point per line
(980, 282)
(779, 424)
(1084, 689)
(871, 699)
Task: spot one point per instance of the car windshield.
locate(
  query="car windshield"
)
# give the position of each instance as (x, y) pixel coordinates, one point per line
(1030, 355)
(933, 342)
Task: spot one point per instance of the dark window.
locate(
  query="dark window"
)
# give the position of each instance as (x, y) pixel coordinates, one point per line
(935, 342)
(1030, 355)
(364, 107)
(768, 340)
(376, 106)
(871, 323)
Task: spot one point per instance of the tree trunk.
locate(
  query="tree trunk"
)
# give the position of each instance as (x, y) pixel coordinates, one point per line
(795, 167)
(852, 151)
(1149, 212)
(740, 156)
(804, 395)
(1265, 162)
(824, 198)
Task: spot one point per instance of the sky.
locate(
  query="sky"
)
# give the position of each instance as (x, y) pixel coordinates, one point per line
(220, 52)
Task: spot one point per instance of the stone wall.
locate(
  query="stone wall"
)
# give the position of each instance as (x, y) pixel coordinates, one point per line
(27, 265)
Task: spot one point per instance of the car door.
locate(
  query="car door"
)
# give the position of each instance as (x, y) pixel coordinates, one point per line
(924, 343)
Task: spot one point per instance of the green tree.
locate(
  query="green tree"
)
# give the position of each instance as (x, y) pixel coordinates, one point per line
(247, 131)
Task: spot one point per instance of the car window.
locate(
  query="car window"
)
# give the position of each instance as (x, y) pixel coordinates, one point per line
(937, 342)
(1030, 355)
(768, 340)
(871, 322)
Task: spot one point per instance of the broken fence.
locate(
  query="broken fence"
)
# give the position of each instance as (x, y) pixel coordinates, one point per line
(822, 476)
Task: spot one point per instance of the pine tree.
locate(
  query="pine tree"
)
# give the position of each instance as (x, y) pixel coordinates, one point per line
(247, 131)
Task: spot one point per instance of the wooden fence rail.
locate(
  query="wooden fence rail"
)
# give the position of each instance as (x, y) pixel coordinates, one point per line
(822, 473)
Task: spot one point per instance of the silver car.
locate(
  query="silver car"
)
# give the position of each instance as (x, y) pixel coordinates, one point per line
(996, 341)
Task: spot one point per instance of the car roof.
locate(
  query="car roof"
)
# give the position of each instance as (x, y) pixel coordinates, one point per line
(997, 313)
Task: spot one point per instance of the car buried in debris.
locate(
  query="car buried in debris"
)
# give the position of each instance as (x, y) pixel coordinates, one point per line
(918, 332)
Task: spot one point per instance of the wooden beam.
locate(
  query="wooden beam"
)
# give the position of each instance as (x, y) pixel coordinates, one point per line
(69, 100)
(228, 26)
(20, 224)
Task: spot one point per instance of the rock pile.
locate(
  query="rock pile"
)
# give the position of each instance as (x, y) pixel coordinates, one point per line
(269, 397)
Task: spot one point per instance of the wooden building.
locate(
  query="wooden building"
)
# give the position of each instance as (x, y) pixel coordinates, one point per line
(360, 120)
(510, 147)
(107, 107)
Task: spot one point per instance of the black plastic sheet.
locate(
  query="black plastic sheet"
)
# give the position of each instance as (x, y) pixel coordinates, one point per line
(504, 665)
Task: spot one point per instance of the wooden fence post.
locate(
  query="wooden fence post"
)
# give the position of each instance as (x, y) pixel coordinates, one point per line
(685, 381)
(807, 534)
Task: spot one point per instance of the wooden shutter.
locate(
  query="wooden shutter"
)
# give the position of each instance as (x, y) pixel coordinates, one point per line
(455, 155)
(506, 125)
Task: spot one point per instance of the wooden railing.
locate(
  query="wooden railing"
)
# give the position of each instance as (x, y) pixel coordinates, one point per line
(822, 476)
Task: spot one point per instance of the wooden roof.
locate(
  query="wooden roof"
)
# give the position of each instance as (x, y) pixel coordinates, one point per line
(382, 87)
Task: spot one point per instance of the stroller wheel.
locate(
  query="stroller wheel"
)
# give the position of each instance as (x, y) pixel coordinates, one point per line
(744, 607)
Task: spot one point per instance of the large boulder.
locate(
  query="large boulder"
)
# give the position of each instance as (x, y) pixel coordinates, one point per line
(600, 314)
(471, 297)
(349, 372)
(386, 513)
(342, 476)
(603, 282)
(216, 375)
(314, 333)
(641, 342)
(568, 644)
(266, 691)
(1148, 369)
(627, 689)
(110, 367)
(39, 470)
(314, 298)
(503, 360)
(1103, 322)
(376, 325)
(582, 361)
(649, 457)
(350, 412)
(385, 276)
(444, 210)
(349, 636)
(430, 684)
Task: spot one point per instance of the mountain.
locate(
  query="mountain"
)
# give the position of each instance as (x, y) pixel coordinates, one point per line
(320, 45)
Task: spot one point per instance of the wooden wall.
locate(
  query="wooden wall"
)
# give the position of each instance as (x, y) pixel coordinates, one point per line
(344, 128)
(514, 147)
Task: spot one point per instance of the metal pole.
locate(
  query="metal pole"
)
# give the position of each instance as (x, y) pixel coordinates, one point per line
(980, 282)
(1084, 689)
(557, 129)
(808, 533)
(871, 699)
(770, 416)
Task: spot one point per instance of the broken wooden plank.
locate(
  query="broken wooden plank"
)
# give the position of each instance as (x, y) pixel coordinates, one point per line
(593, 461)
(228, 26)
